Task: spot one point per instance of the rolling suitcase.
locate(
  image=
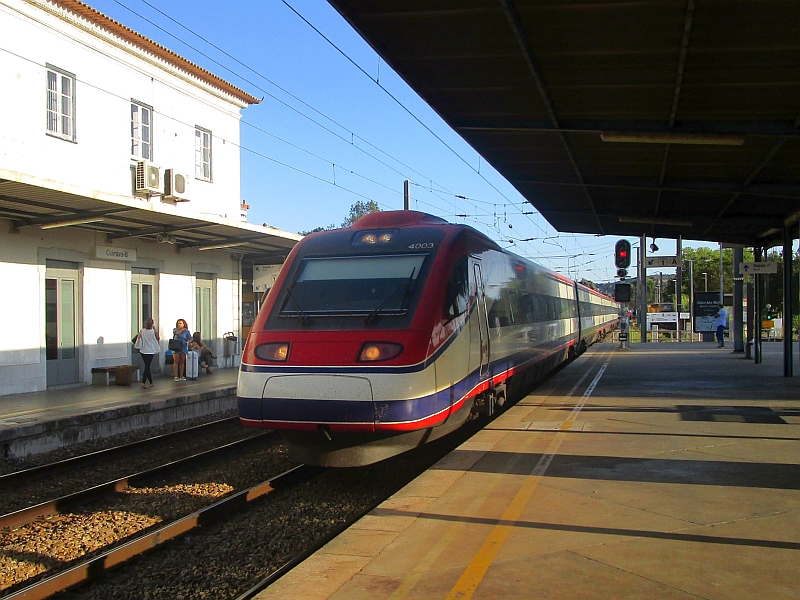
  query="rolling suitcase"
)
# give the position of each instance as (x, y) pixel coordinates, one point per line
(192, 364)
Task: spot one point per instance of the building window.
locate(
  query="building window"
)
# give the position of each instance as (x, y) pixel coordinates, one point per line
(141, 131)
(60, 103)
(202, 154)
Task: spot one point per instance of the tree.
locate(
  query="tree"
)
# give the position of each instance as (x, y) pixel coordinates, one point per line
(358, 210)
(316, 229)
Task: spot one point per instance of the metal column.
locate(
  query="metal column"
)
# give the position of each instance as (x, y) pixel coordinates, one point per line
(678, 286)
(642, 289)
(757, 296)
(750, 320)
(787, 303)
(738, 306)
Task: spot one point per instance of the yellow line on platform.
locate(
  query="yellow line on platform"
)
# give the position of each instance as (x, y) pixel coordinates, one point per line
(475, 571)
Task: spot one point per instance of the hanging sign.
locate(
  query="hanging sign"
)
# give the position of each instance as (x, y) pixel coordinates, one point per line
(757, 268)
(661, 261)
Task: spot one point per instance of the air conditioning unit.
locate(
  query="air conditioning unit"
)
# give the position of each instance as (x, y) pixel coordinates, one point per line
(176, 186)
(148, 178)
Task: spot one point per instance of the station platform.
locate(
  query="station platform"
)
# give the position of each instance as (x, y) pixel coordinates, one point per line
(664, 471)
(39, 422)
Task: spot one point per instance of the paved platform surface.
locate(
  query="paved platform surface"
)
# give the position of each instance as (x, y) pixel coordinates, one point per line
(664, 471)
(41, 421)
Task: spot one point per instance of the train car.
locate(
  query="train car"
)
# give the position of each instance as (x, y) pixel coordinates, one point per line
(599, 315)
(393, 332)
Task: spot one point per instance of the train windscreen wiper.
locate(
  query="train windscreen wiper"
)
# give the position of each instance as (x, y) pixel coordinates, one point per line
(406, 288)
(301, 315)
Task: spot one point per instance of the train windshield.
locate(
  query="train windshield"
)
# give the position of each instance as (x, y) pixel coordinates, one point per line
(354, 285)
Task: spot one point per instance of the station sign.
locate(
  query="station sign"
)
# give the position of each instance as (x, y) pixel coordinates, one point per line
(665, 317)
(661, 261)
(116, 253)
(264, 277)
(758, 268)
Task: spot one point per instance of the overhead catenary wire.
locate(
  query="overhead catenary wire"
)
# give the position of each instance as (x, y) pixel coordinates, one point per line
(478, 218)
(353, 135)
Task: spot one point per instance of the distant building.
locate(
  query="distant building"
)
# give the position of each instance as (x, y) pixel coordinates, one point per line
(119, 195)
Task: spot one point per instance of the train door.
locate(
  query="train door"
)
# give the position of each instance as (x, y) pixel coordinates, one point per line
(483, 322)
(62, 322)
(579, 312)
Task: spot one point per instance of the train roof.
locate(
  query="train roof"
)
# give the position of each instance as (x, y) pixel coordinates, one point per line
(414, 218)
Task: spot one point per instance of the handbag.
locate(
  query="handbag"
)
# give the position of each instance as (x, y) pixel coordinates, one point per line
(175, 345)
(138, 341)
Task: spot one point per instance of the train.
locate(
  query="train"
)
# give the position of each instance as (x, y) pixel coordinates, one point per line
(393, 332)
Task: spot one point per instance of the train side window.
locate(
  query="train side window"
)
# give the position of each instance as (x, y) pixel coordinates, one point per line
(457, 296)
(526, 303)
(500, 311)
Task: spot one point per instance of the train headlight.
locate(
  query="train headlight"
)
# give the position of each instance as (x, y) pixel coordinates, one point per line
(375, 351)
(275, 352)
(371, 238)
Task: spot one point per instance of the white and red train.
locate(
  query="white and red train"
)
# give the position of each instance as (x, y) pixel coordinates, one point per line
(389, 334)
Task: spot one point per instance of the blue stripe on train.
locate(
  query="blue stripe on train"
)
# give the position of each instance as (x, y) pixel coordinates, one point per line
(382, 411)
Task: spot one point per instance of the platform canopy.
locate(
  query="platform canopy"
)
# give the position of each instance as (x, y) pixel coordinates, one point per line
(44, 204)
(666, 117)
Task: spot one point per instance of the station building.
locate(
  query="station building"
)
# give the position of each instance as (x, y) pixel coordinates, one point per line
(119, 196)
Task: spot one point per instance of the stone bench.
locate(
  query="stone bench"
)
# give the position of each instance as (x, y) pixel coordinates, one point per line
(123, 374)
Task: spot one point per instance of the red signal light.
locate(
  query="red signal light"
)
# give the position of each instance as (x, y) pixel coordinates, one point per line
(622, 254)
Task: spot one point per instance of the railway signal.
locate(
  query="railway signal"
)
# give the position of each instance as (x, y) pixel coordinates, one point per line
(622, 255)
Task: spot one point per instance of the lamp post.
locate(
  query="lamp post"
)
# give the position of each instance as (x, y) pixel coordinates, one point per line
(691, 295)
(705, 278)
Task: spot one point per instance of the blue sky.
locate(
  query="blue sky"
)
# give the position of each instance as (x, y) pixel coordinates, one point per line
(327, 135)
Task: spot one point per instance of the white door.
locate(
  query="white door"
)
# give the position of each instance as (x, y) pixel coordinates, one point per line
(204, 307)
(62, 322)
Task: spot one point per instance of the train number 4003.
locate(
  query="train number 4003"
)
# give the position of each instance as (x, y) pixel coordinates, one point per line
(421, 246)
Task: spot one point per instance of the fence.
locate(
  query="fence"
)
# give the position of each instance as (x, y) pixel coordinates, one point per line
(635, 336)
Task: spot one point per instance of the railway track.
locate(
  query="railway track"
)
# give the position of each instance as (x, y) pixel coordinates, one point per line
(235, 547)
(58, 523)
(93, 567)
(33, 485)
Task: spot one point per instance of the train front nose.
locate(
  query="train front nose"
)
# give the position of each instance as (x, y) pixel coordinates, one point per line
(307, 401)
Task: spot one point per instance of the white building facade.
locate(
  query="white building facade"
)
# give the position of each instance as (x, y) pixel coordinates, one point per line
(119, 195)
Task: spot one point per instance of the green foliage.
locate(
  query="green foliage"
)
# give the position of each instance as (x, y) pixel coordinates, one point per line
(706, 260)
(316, 229)
(358, 210)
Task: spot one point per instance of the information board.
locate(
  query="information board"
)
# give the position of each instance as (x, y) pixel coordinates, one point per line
(706, 305)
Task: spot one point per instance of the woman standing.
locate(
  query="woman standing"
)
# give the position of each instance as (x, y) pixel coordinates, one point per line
(148, 347)
(181, 333)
